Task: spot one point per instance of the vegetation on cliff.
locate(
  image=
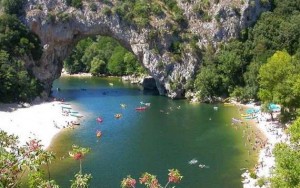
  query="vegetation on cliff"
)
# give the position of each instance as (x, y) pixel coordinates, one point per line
(16, 44)
(235, 66)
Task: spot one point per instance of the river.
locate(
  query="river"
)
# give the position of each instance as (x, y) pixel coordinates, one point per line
(166, 135)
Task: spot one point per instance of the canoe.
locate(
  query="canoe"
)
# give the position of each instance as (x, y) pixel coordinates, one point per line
(118, 115)
(99, 119)
(140, 108)
(123, 105)
(245, 115)
(98, 134)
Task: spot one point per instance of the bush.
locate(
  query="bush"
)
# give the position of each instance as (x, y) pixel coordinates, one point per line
(106, 11)
(93, 7)
(13, 6)
(50, 18)
(77, 3)
(62, 16)
(261, 182)
(253, 175)
(74, 3)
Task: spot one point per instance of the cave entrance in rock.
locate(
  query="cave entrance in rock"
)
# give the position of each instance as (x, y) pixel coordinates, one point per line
(105, 56)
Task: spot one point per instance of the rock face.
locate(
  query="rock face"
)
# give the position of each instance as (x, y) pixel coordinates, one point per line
(60, 27)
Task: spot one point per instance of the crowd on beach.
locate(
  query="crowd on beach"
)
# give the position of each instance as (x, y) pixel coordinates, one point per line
(41, 121)
(273, 133)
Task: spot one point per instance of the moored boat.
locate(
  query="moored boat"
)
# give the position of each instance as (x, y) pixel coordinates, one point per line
(76, 115)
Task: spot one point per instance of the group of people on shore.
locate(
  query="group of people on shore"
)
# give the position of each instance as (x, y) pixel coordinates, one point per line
(273, 133)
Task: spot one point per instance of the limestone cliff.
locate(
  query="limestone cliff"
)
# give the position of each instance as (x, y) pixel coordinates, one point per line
(60, 27)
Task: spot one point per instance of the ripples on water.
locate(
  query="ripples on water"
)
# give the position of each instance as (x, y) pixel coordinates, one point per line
(169, 134)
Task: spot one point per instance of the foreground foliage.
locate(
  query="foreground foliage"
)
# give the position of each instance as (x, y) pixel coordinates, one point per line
(31, 159)
(15, 161)
(151, 181)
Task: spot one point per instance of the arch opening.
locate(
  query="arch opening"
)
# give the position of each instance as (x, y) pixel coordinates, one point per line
(60, 27)
(105, 56)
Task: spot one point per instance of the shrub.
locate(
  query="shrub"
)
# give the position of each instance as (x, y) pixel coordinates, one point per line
(93, 7)
(261, 182)
(74, 3)
(50, 18)
(77, 3)
(62, 16)
(13, 6)
(106, 11)
(253, 175)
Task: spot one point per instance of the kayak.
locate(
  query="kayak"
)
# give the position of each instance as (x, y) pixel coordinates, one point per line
(141, 108)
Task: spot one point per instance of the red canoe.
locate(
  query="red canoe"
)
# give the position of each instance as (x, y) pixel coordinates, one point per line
(141, 108)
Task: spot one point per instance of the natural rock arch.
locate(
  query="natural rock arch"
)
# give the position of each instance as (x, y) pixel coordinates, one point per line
(60, 27)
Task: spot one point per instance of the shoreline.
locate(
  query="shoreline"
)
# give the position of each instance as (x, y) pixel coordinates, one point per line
(41, 121)
(273, 133)
(65, 74)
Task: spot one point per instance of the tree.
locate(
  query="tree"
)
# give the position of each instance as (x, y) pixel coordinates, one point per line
(116, 64)
(277, 80)
(131, 64)
(16, 39)
(287, 158)
(97, 67)
(287, 171)
(294, 131)
(207, 82)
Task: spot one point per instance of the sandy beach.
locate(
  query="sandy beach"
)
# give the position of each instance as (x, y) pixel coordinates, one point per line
(82, 74)
(41, 121)
(274, 134)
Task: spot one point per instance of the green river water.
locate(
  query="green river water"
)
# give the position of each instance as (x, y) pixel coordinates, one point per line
(167, 135)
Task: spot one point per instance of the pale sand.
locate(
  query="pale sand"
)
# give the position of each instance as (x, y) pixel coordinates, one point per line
(41, 121)
(274, 133)
(83, 74)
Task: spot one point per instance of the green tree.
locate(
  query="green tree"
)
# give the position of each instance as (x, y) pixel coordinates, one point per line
(277, 80)
(208, 82)
(131, 63)
(98, 67)
(16, 39)
(294, 131)
(16, 83)
(287, 171)
(116, 64)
